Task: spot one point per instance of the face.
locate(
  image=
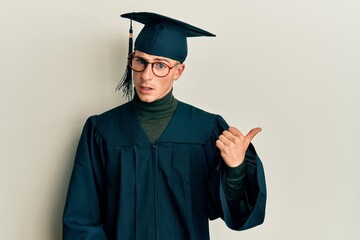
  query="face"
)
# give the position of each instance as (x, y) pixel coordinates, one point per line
(148, 86)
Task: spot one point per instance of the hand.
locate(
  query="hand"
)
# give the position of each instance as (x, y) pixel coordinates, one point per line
(233, 145)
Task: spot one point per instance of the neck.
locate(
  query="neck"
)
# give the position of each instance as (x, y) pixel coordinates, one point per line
(161, 108)
(155, 116)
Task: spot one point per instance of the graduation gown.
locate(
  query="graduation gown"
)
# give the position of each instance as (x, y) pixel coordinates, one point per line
(124, 187)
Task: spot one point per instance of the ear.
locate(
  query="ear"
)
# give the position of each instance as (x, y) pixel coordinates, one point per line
(178, 71)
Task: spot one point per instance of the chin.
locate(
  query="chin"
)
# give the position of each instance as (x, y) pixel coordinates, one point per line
(147, 99)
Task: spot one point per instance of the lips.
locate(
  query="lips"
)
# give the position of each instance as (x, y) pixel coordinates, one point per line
(145, 90)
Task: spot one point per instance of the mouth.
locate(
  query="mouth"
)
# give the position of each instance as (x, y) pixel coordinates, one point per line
(146, 88)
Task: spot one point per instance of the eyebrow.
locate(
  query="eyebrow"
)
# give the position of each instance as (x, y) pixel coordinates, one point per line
(155, 59)
(162, 59)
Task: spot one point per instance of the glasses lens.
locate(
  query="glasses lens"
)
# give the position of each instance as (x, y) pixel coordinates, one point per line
(160, 69)
(137, 64)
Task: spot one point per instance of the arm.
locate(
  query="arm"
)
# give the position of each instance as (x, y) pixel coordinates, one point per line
(82, 218)
(246, 208)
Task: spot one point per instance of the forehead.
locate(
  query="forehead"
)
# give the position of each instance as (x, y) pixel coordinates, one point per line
(152, 57)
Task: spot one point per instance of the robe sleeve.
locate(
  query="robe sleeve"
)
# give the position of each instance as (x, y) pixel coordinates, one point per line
(82, 217)
(249, 210)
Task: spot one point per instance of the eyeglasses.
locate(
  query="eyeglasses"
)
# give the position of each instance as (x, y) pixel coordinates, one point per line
(160, 69)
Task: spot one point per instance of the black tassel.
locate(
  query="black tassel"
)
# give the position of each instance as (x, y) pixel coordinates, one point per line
(126, 81)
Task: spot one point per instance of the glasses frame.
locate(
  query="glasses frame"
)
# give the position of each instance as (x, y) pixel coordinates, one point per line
(132, 56)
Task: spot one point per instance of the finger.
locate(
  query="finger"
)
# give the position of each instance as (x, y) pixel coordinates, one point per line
(230, 136)
(235, 131)
(224, 140)
(252, 133)
(219, 144)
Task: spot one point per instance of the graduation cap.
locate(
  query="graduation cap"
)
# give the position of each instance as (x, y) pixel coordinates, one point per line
(160, 36)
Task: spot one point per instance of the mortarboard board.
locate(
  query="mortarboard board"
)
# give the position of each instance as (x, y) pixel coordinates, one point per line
(160, 36)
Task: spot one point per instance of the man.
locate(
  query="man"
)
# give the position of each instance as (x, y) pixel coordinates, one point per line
(158, 168)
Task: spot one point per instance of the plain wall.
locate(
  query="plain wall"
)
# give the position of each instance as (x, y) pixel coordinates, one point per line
(291, 67)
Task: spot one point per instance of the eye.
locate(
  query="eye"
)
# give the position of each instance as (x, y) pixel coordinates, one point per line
(141, 61)
(160, 65)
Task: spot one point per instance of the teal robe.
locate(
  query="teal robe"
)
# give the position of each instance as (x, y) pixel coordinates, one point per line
(124, 187)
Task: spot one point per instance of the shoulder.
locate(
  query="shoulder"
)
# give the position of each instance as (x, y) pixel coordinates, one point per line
(120, 120)
(116, 112)
(194, 113)
(192, 124)
(115, 115)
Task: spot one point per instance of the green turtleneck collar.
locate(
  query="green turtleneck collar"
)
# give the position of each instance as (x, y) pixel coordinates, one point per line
(159, 109)
(155, 116)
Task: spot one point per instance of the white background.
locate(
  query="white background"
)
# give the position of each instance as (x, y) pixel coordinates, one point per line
(291, 67)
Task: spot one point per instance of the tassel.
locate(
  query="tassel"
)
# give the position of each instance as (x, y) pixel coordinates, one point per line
(126, 81)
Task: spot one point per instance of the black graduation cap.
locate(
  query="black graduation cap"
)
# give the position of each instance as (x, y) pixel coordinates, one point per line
(161, 36)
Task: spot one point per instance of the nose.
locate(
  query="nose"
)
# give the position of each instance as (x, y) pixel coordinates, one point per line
(147, 74)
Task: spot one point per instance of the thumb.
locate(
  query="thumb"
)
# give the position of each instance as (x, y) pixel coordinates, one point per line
(252, 133)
